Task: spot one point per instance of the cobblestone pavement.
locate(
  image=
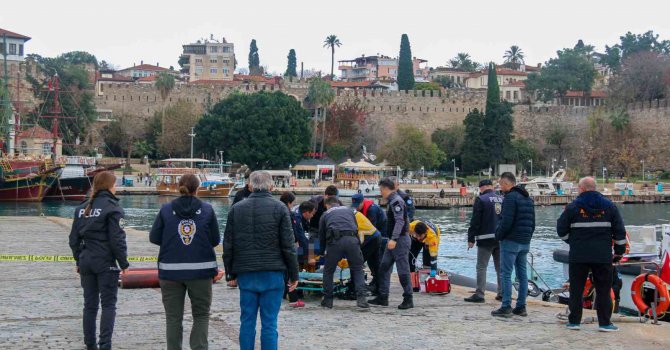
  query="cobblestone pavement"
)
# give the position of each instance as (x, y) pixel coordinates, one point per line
(41, 303)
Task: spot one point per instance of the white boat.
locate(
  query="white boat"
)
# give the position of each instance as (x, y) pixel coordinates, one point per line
(543, 186)
(364, 187)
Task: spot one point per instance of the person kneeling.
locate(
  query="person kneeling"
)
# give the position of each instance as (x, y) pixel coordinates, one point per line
(425, 236)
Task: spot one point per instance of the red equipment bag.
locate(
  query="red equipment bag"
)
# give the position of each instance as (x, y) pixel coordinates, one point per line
(148, 278)
(438, 285)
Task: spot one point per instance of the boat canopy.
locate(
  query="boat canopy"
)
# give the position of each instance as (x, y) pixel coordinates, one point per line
(279, 173)
(185, 160)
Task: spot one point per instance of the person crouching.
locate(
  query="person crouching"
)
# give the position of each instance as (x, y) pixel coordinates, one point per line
(187, 231)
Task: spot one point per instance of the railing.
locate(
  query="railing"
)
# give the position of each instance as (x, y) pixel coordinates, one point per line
(356, 177)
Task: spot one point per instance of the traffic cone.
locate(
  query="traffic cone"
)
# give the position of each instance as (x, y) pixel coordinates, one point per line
(665, 269)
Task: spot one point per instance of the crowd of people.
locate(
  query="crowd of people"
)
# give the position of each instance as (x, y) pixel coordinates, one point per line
(266, 242)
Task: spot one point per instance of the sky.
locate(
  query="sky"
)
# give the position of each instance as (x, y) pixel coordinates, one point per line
(124, 32)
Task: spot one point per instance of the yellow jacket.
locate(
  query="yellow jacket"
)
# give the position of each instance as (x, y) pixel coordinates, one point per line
(432, 239)
(365, 228)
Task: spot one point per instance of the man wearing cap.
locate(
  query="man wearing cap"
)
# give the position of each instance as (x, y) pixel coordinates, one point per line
(485, 215)
(371, 244)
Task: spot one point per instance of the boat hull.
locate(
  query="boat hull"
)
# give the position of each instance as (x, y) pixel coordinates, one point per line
(214, 191)
(26, 189)
(70, 189)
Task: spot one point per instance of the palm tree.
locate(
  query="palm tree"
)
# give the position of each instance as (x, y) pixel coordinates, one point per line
(331, 42)
(320, 95)
(164, 85)
(464, 62)
(514, 56)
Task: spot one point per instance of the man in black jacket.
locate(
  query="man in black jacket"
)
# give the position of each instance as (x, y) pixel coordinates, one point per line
(319, 202)
(589, 225)
(515, 230)
(485, 216)
(243, 193)
(258, 249)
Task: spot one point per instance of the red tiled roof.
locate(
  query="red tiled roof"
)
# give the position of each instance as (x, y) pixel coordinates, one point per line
(35, 132)
(147, 67)
(596, 93)
(13, 35)
(149, 78)
(532, 69)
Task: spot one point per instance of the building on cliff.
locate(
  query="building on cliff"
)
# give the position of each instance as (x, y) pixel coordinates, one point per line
(144, 71)
(208, 60)
(15, 48)
(378, 68)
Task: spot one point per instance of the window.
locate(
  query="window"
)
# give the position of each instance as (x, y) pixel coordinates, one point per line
(212, 60)
(198, 70)
(20, 49)
(24, 147)
(213, 49)
(46, 148)
(226, 49)
(12, 49)
(226, 62)
(508, 95)
(516, 95)
(212, 71)
(225, 71)
(198, 61)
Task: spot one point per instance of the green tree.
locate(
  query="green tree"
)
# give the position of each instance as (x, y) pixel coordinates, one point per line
(292, 65)
(570, 70)
(254, 59)
(320, 96)
(514, 56)
(427, 86)
(499, 124)
(464, 62)
(556, 136)
(647, 42)
(331, 42)
(619, 119)
(474, 154)
(164, 84)
(642, 77)
(123, 134)
(493, 89)
(76, 95)
(263, 130)
(450, 141)
(410, 148)
(405, 65)
(521, 151)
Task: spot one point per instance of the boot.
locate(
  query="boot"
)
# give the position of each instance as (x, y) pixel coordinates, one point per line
(520, 311)
(407, 303)
(362, 303)
(327, 302)
(474, 299)
(380, 300)
(92, 347)
(502, 312)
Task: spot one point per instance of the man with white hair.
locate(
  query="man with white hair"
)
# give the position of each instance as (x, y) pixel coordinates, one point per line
(589, 225)
(258, 250)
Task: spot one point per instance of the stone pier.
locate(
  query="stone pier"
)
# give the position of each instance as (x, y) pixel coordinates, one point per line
(41, 305)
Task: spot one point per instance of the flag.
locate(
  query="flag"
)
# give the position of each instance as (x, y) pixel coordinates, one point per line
(665, 269)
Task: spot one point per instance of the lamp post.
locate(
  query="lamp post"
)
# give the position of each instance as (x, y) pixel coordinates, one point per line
(604, 170)
(566, 164)
(552, 165)
(453, 161)
(531, 167)
(192, 134)
(221, 162)
(643, 173)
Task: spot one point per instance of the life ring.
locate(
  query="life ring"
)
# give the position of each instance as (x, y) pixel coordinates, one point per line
(587, 296)
(359, 191)
(638, 294)
(367, 190)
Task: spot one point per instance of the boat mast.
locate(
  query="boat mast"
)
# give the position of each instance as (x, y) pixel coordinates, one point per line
(54, 85)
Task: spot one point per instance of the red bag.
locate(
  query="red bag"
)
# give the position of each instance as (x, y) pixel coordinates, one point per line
(438, 285)
(415, 280)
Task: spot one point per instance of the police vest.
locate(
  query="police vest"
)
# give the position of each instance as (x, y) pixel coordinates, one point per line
(492, 208)
(186, 252)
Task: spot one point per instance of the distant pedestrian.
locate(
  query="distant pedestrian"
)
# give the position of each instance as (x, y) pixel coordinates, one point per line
(187, 231)
(485, 217)
(98, 244)
(288, 198)
(123, 180)
(397, 249)
(589, 225)
(244, 192)
(514, 232)
(258, 249)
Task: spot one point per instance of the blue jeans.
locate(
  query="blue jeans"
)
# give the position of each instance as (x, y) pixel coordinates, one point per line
(262, 290)
(513, 256)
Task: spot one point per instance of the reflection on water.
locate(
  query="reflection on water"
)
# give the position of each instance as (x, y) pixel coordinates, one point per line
(453, 256)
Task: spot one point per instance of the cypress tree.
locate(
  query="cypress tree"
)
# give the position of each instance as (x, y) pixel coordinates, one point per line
(475, 151)
(292, 65)
(493, 91)
(405, 67)
(499, 124)
(254, 60)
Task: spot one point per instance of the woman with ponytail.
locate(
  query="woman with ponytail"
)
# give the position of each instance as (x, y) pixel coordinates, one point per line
(98, 244)
(187, 232)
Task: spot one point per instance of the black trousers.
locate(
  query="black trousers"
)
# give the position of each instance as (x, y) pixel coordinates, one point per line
(371, 255)
(602, 281)
(346, 247)
(415, 248)
(99, 289)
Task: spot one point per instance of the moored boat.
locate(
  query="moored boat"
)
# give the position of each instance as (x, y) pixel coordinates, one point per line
(28, 184)
(167, 183)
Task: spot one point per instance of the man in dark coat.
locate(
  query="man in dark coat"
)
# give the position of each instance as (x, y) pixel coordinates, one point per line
(590, 224)
(514, 232)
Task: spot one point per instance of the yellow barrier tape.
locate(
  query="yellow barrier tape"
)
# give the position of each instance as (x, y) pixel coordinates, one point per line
(64, 258)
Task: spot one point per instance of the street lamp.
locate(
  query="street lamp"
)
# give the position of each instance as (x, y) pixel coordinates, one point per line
(192, 134)
(531, 167)
(552, 165)
(221, 162)
(643, 173)
(566, 164)
(454, 162)
(604, 170)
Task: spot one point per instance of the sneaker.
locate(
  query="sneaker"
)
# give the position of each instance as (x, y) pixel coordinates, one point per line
(610, 328)
(298, 303)
(520, 311)
(407, 303)
(362, 303)
(573, 326)
(502, 312)
(379, 301)
(498, 297)
(474, 299)
(327, 302)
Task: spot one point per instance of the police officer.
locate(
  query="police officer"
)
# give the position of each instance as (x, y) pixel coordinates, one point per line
(485, 216)
(397, 249)
(338, 233)
(98, 243)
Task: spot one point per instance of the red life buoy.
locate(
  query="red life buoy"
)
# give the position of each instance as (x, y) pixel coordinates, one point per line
(587, 296)
(638, 297)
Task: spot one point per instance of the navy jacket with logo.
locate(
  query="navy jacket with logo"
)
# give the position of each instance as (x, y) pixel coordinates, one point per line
(187, 232)
(590, 224)
(517, 222)
(397, 217)
(98, 241)
(485, 216)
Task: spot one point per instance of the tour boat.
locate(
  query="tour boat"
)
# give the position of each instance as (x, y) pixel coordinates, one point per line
(26, 184)
(542, 186)
(76, 179)
(167, 183)
(364, 187)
